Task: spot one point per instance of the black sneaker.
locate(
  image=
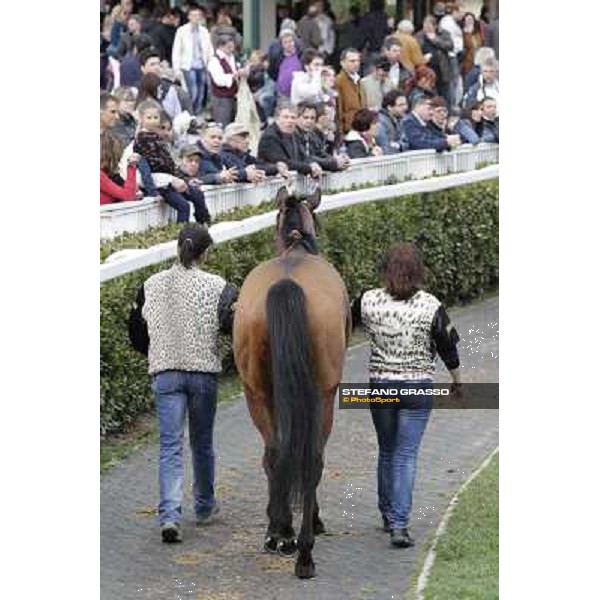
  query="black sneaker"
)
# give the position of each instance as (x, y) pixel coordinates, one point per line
(171, 533)
(386, 525)
(209, 517)
(400, 538)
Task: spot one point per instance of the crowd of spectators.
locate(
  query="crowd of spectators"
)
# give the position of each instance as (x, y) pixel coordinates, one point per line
(173, 85)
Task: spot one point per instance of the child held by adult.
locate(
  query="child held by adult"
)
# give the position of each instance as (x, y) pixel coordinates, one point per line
(155, 149)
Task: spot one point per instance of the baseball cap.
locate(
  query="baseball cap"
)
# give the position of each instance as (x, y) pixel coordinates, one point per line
(235, 129)
(190, 151)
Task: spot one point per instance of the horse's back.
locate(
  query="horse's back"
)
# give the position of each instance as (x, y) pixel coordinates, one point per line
(327, 308)
(313, 273)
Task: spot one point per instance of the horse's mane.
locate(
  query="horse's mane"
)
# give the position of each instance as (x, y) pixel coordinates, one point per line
(292, 220)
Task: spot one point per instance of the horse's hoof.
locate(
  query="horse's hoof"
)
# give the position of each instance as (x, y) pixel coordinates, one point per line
(271, 544)
(287, 548)
(318, 527)
(305, 570)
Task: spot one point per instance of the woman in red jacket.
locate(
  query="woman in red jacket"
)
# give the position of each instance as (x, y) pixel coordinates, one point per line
(110, 190)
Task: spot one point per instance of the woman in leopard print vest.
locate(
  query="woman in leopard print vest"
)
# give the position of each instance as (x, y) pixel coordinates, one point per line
(176, 322)
(407, 326)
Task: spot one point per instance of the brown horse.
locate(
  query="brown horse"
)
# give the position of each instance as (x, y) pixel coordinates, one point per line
(291, 329)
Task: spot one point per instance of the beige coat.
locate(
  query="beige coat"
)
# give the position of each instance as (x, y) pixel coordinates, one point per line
(374, 90)
(183, 47)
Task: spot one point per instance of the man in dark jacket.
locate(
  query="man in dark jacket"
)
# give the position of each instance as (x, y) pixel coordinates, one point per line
(312, 145)
(162, 31)
(422, 137)
(398, 75)
(278, 144)
(350, 33)
(213, 168)
(130, 71)
(436, 43)
(389, 135)
(308, 29)
(236, 153)
(439, 122)
(188, 171)
(491, 123)
(375, 26)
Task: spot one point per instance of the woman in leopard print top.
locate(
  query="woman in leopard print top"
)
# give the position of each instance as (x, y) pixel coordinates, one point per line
(176, 322)
(407, 326)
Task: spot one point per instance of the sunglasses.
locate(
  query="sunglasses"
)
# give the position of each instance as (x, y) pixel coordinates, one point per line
(210, 124)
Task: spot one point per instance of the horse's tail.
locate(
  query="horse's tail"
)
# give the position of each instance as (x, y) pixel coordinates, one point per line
(295, 393)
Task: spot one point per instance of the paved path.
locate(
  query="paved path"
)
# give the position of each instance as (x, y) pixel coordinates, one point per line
(354, 560)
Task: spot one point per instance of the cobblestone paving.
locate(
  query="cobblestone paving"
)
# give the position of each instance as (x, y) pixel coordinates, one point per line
(224, 561)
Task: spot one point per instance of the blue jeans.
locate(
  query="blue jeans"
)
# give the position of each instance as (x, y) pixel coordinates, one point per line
(178, 202)
(146, 175)
(178, 392)
(195, 80)
(399, 432)
(265, 98)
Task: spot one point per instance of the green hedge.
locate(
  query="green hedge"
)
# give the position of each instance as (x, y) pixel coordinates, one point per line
(457, 229)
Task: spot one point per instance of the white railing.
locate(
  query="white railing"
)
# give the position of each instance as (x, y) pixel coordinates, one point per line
(141, 214)
(127, 261)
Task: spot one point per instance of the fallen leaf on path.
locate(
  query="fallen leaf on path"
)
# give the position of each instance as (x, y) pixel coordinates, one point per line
(146, 511)
(218, 596)
(190, 558)
(277, 564)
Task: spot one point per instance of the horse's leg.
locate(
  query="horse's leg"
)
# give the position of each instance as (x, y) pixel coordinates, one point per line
(328, 404)
(305, 567)
(318, 525)
(272, 535)
(259, 405)
(280, 533)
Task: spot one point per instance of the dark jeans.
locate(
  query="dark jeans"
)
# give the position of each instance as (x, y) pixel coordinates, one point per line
(178, 393)
(399, 432)
(196, 197)
(180, 202)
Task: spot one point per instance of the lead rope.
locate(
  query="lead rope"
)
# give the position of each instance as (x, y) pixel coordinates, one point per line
(296, 237)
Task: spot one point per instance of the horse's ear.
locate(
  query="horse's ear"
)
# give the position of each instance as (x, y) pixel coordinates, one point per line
(281, 198)
(314, 199)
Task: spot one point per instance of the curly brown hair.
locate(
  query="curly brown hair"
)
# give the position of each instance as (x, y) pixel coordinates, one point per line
(402, 270)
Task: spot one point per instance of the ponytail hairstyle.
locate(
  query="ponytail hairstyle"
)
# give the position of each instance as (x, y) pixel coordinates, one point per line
(193, 241)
